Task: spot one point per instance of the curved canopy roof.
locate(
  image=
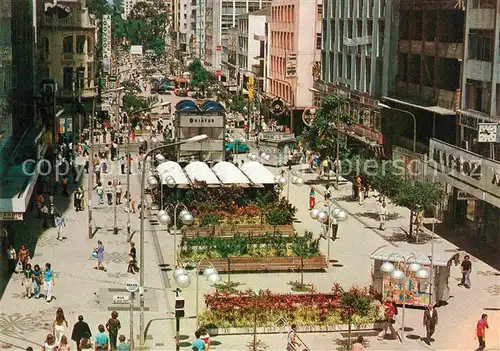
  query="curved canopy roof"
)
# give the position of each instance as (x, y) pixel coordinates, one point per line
(212, 106)
(187, 106)
(173, 169)
(199, 171)
(228, 173)
(257, 173)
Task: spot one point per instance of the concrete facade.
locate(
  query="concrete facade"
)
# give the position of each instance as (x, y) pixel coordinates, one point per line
(68, 48)
(5, 70)
(127, 6)
(292, 54)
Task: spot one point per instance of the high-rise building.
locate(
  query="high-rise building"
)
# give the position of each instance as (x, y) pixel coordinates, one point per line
(5, 72)
(292, 54)
(126, 6)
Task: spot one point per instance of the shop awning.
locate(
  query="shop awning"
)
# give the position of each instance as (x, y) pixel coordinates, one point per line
(257, 173)
(228, 173)
(174, 170)
(434, 109)
(199, 171)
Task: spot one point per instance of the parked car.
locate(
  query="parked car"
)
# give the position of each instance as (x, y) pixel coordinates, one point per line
(241, 148)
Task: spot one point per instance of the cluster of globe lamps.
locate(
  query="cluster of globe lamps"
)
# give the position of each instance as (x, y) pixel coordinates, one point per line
(322, 216)
(398, 274)
(262, 155)
(183, 280)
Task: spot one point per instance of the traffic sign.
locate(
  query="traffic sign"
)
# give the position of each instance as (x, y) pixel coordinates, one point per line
(112, 78)
(132, 285)
(120, 299)
(115, 182)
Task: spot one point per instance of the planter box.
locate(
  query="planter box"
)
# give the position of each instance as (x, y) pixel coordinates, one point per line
(267, 264)
(305, 329)
(243, 229)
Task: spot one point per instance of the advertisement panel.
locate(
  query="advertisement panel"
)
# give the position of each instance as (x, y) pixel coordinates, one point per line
(106, 43)
(207, 145)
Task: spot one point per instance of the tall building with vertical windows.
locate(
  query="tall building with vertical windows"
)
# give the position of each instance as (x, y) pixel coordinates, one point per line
(294, 32)
(5, 71)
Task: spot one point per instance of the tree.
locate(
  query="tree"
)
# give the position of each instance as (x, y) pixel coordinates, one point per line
(200, 77)
(383, 176)
(98, 8)
(414, 195)
(321, 135)
(355, 301)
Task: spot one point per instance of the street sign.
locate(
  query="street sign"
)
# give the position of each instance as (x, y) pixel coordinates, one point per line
(11, 216)
(113, 78)
(120, 299)
(115, 182)
(132, 285)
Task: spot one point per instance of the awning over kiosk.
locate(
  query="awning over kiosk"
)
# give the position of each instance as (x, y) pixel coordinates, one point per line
(228, 173)
(174, 170)
(257, 173)
(199, 171)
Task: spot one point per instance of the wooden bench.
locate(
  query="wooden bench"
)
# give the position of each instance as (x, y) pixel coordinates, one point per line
(230, 231)
(267, 264)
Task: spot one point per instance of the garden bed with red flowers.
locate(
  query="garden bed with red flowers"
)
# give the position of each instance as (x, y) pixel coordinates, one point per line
(238, 313)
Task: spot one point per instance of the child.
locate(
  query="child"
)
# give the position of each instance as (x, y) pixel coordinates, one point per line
(123, 346)
(132, 205)
(312, 199)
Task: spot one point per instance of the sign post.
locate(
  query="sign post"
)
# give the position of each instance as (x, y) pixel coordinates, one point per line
(132, 286)
(115, 225)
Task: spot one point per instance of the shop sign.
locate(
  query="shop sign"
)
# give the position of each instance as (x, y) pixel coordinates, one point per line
(462, 195)
(11, 216)
(470, 168)
(202, 121)
(120, 299)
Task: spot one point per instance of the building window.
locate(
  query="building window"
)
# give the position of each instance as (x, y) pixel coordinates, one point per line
(483, 4)
(319, 11)
(68, 78)
(80, 44)
(46, 45)
(324, 67)
(79, 82)
(402, 67)
(89, 75)
(477, 95)
(318, 41)
(481, 45)
(68, 45)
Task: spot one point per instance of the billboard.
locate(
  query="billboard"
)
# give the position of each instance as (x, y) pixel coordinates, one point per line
(106, 43)
(136, 50)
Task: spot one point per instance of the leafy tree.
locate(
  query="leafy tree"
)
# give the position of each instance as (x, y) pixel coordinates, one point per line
(321, 135)
(355, 301)
(200, 77)
(133, 102)
(413, 195)
(99, 8)
(383, 176)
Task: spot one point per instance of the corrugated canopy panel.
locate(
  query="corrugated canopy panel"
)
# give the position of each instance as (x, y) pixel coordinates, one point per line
(257, 173)
(173, 169)
(199, 171)
(396, 254)
(228, 173)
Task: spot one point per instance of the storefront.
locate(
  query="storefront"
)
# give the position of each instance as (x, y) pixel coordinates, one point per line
(472, 188)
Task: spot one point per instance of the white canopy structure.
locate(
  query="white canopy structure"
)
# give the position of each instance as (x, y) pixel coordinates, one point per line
(228, 173)
(257, 173)
(199, 171)
(174, 170)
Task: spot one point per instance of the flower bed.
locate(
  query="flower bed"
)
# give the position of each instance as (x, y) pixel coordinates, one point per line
(268, 245)
(310, 309)
(235, 230)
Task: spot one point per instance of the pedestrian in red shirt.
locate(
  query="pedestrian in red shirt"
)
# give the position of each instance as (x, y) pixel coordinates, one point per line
(481, 327)
(389, 313)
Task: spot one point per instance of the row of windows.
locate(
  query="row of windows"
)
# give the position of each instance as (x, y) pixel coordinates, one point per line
(68, 48)
(283, 40)
(281, 89)
(353, 8)
(285, 13)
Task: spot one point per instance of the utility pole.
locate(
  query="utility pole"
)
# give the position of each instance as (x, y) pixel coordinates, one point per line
(127, 144)
(115, 214)
(91, 169)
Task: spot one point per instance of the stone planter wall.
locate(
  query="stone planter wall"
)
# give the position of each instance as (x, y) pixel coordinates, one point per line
(229, 231)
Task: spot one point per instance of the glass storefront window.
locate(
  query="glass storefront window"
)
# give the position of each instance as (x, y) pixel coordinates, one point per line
(471, 210)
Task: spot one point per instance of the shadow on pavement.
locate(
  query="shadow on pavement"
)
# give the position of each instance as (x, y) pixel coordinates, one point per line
(468, 243)
(29, 230)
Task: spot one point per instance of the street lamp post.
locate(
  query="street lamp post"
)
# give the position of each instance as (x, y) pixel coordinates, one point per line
(182, 279)
(91, 162)
(194, 139)
(381, 105)
(330, 218)
(185, 216)
(292, 178)
(398, 274)
(127, 147)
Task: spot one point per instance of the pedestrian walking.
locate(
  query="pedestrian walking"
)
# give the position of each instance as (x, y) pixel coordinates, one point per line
(78, 198)
(24, 256)
(118, 192)
(132, 259)
(312, 199)
(132, 205)
(50, 343)
(60, 224)
(37, 280)
(100, 255)
(80, 329)
(12, 258)
(430, 322)
(28, 280)
(122, 164)
(58, 326)
(358, 346)
(389, 312)
(382, 215)
(113, 326)
(197, 343)
(48, 281)
(40, 202)
(466, 266)
(101, 339)
(109, 193)
(65, 185)
(327, 194)
(326, 167)
(359, 190)
(481, 327)
(86, 342)
(292, 342)
(97, 171)
(123, 345)
(100, 193)
(129, 163)
(205, 337)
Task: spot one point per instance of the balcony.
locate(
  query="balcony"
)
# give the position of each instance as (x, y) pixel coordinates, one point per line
(68, 57)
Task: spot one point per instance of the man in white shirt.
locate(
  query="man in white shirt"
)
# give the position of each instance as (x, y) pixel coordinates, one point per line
(109, 193)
